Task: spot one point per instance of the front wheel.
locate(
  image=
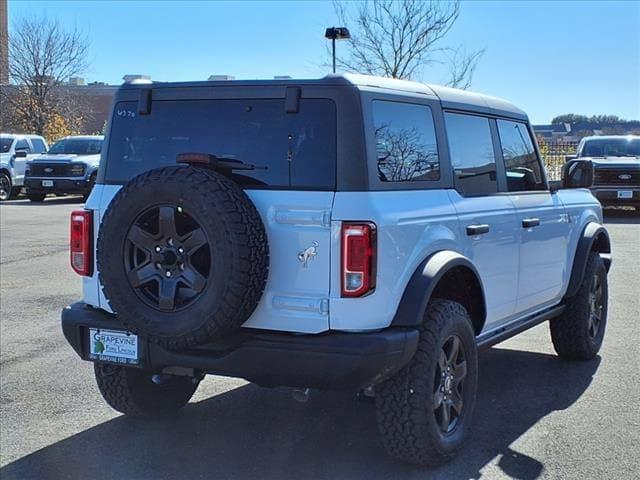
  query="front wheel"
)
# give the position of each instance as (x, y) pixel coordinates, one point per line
(133, 392)
(578, 333)
(424, 411)
(6, 188)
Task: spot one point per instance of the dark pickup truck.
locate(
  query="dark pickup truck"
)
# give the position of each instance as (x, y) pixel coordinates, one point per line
(616, 168)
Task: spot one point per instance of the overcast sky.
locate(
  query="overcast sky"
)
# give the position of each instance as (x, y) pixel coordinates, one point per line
(547, 57)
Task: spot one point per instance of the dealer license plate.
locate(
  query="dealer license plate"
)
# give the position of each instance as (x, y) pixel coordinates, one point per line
(625, 194)
(113, 346)
(47, 183)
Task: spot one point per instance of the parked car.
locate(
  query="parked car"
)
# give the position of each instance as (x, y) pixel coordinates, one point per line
(352, 233)
(70, 167)
(616, 163)
(15, 151)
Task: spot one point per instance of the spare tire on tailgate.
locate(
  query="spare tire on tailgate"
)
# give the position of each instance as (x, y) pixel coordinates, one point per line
(182, 256)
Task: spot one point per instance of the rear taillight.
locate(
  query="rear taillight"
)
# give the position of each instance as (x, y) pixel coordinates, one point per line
(358, 258)
(81, 242)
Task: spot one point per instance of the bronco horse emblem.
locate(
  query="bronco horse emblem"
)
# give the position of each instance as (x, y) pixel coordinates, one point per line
(308, 254)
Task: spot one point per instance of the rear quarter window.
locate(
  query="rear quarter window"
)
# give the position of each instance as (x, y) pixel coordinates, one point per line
(290, 150)
(406, 146)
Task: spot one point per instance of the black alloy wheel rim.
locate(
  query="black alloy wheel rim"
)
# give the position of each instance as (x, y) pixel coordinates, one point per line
(451, 372)
(5, 187)
(167, 258)
(596, 306)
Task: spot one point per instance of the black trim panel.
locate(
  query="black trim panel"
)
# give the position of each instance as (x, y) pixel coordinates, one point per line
(498, 335)
(589, 235)
(332, 360)
(416, 296)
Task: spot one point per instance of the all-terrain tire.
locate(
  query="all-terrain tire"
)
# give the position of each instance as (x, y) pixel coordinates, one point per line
(238, 249)
(132, 392)
(571, 332)
(405, 405)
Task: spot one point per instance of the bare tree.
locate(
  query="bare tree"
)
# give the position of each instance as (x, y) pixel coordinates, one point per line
(397, 38)
(42, 56)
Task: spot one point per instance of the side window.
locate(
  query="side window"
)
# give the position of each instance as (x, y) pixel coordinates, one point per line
(472, 157)
(405, 142)
(38, 145)
(22, 145)
(520, 160)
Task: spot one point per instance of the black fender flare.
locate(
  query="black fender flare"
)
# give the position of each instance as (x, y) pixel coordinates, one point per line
(423, 282)
(592, 235)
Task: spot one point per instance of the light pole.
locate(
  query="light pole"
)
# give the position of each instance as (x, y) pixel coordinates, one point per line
(333, 34)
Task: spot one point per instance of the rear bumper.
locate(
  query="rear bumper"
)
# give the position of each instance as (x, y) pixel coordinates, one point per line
(609, 195)
(332, 361)
(60, 185)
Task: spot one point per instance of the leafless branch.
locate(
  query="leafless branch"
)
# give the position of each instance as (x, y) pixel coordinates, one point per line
(462, 66)
(42, 56)
(397, 38)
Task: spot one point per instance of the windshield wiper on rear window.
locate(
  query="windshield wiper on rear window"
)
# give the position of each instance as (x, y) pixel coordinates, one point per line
(217, 163)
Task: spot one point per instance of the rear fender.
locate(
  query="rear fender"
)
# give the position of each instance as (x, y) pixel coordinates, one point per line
(424, 281)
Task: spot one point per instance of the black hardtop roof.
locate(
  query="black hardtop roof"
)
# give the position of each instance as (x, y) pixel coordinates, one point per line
(450, 98)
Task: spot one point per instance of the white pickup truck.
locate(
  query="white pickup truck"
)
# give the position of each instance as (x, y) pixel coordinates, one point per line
(15, 151)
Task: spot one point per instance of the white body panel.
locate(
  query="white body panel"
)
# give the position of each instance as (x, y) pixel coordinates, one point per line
(522, 270)
(543, 249)
(296, 298)
(494, 254)
(411, 225)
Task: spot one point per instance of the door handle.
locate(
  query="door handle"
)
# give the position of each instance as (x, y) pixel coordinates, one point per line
(530, 222)
(477, 229)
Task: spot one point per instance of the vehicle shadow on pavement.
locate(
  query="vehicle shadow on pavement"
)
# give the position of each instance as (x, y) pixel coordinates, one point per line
(251, 432)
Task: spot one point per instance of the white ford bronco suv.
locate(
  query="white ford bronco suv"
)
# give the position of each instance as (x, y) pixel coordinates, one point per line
(351, 233)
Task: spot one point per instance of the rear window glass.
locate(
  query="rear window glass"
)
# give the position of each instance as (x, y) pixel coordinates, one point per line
(288, 149)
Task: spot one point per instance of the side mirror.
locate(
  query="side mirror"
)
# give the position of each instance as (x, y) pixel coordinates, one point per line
(568, 158)
(577, 174)
(21, 154)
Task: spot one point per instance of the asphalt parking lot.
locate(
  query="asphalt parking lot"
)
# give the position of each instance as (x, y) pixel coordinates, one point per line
(536, 417)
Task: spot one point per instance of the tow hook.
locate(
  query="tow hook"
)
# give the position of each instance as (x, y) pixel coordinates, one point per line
(160, 378)
(301, 394)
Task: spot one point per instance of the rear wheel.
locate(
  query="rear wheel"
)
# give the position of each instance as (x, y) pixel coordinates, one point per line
(132, 391)
(36, 197)
(6, 189)
(578, 333)
(424, 411)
